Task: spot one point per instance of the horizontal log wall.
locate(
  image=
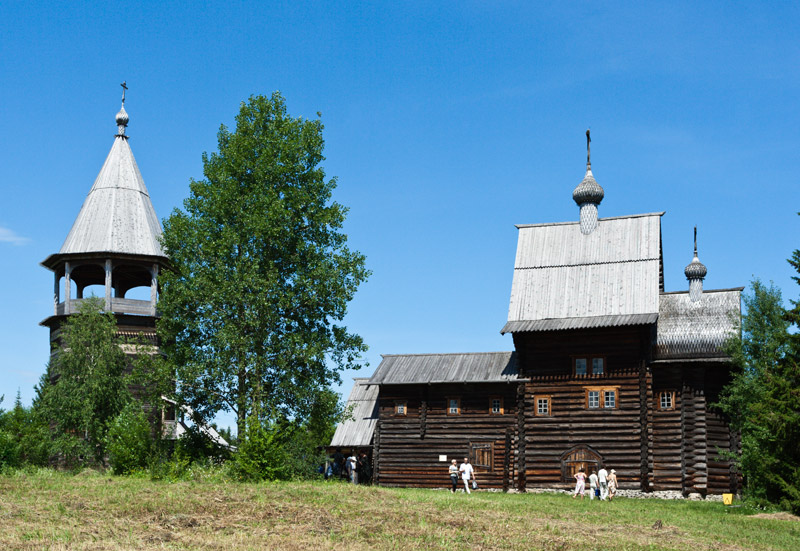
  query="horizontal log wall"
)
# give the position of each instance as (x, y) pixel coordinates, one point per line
(408, 450)
(667, 431)
(616, 434)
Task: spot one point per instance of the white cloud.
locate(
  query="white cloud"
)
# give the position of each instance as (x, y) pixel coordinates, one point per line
(8, 236)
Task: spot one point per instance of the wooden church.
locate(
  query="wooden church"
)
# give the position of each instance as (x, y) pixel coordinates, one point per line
(607, 369)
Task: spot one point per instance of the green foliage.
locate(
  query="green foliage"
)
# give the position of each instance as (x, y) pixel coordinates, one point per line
(84, 386)
(263, 453)
(262, 275)
(763, 400)
(25, 438)
(128, 441)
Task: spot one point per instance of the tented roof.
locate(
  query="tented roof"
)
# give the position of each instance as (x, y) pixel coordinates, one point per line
(117, 215)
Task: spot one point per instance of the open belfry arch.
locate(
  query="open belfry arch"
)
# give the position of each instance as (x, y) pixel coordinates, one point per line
(608, 368)
(113, 247)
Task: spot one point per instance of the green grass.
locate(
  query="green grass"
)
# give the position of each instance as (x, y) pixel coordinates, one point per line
(48, 510)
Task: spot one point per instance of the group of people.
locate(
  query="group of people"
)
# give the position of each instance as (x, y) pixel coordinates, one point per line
(356, 468)
(466, 472)
(602, 484)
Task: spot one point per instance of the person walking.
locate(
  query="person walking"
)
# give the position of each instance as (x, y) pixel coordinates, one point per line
(593, 485)
(454, 475)
(580, 484)
(612, 484)
(467, 473)
(602, 477)
(352, 465)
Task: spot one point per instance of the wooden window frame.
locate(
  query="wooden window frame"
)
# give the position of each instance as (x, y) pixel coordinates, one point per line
(601, 397)
(473, 457)
(491, 405)
(589, 365)
(672, 396)
(549, 399)
(397, 405)
(447, 405)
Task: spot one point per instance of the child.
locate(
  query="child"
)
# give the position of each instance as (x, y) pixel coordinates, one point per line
(594, 490)
(580, 485)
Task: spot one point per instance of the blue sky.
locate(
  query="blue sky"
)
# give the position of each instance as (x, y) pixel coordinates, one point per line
(446, 124)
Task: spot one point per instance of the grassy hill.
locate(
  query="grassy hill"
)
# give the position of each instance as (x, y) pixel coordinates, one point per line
(48, 510)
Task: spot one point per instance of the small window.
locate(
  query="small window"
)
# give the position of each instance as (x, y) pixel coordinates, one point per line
(496, 405)
(542, 405)
(400, 408)
(666, 400)
(605, 398)
(588, 365)
(481, 454)
(453, 406)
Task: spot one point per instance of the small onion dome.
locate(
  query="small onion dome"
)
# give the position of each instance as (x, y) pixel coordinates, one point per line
(695, 270)
(122, 117)
(588, 191)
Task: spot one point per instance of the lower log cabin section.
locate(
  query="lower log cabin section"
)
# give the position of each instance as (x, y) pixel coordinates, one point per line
(607, 369)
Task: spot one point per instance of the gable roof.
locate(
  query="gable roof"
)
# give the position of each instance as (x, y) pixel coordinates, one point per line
(564, 279)
(357, 431)
(484, 367)
(117, 215)
(699, 329)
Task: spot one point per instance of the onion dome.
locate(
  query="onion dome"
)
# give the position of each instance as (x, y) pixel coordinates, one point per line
(588, 191)
(588, 194)
(695, 272)
(122, 116)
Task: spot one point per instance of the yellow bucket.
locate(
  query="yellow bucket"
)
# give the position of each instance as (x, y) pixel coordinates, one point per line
(727, 499)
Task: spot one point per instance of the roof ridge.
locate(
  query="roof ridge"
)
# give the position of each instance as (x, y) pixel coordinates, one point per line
(577, 222)
(449, 354)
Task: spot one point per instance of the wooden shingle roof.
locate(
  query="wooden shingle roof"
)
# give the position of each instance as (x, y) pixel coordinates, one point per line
(117, 215)
(358, 429)
(483, 367)
(564, 279)
(696, 330)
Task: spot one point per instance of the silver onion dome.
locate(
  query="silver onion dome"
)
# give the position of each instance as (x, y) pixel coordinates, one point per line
(695, 269)
(588, 191)
(588, 194)
(122, 118)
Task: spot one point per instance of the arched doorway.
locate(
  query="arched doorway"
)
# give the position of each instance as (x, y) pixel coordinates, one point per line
(577, 457)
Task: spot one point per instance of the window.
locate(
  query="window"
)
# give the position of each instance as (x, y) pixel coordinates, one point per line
(481, 454)
(605, 398)
(400, 408)
(542, 405)
(666, 400)
(453, 406)
(588, 365)
(496, 405)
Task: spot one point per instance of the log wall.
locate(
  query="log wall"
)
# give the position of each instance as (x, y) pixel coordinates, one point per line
(618, 435)
(408, 446)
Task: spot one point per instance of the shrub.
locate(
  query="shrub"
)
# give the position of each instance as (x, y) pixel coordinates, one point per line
(128, 441)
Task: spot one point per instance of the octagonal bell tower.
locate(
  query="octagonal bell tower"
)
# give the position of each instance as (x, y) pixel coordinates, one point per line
(113, 249)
